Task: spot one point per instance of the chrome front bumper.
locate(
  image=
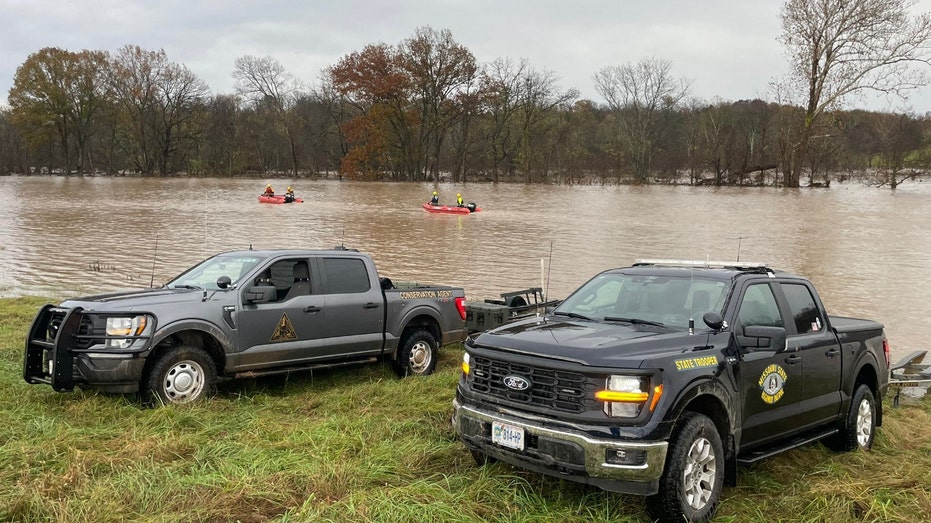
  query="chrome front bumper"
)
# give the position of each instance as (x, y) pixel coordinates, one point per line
(567, 454)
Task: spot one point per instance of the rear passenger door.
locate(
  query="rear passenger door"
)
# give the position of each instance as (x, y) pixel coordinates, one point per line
(354, 307)
(810, 338)
(770, 378)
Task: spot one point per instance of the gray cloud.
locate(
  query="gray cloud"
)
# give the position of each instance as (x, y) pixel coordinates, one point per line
(727, 48)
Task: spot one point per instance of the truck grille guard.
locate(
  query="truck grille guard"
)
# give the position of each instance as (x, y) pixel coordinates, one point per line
(58, 334)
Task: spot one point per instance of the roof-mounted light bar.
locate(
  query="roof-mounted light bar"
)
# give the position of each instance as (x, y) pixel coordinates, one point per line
(702, 263)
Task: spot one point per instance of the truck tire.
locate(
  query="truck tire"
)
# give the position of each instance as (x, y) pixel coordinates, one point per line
(417, 354)
(691, 484)
(179, 375)
(860, 426)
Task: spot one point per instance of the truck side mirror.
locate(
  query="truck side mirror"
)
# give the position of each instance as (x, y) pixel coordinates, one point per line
(223, 282)
(763, 337)
(713, 320)
(260, 294)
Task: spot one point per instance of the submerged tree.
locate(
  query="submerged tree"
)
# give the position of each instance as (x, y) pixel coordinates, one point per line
(643, 96)
(160, 102)
(60, 93)
(838, 48)
(266, 83)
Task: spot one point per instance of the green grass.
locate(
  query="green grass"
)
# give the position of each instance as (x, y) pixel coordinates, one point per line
(358, 444)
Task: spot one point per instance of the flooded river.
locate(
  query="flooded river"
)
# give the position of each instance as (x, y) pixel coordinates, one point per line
(867, 250)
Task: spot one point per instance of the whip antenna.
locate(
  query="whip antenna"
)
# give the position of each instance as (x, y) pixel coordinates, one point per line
(549, 264)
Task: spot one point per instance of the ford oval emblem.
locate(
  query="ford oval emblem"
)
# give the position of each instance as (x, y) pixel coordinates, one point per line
(516, 382)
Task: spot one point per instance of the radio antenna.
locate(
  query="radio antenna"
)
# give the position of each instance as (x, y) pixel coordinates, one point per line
(549, 264)
(154, 257)
(738, 247)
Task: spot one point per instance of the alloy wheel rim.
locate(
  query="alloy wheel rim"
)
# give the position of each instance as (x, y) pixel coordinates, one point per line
(699, 474)
(864, 423)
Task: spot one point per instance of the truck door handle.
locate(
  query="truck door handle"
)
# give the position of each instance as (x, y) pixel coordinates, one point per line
(370, 305)
(312, 308)
(831, 353)
(793, 359)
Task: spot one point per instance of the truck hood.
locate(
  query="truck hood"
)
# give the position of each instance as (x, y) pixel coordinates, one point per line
(591, 343)
(136, 300)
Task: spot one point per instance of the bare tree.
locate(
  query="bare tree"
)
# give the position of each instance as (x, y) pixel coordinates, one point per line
(264, 81)
(838, 48)
(160, 103)
(643, 96)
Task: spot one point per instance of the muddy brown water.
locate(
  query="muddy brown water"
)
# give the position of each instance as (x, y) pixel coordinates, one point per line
(868, 250)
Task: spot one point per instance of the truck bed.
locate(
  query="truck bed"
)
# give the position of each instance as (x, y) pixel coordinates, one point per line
(843, 324)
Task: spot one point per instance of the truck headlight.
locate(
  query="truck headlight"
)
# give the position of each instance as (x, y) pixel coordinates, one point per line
(118, 326)
(625, 396)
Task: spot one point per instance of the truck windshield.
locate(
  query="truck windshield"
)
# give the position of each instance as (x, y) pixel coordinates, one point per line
(646, 300)
(206, 274)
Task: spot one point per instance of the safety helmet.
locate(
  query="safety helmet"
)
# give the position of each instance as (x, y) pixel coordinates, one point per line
(289, 187)
(458, 194)
(434, 193)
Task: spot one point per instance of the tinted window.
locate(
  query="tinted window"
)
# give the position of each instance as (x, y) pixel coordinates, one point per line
(803, 308)
(759, 307)
(345, 275)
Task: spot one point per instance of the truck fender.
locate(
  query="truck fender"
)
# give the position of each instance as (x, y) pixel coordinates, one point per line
(866, 363)
(710, 397)
(411, 316)
(218, 351)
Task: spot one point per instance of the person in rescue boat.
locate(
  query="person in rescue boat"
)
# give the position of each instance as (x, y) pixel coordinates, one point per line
(435, 200)
(268, 191)
(289, 195)
(459, 201)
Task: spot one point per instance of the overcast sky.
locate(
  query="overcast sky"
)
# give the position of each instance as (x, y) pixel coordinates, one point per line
(728, 49)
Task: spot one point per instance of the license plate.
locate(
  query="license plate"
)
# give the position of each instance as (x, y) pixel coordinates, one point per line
(507, 435)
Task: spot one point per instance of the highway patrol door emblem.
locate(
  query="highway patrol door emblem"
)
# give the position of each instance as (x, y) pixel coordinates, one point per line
(284, 331)
(772, 384)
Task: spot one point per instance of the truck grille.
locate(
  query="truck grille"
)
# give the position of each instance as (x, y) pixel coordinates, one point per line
(549, 388)
(55, 320)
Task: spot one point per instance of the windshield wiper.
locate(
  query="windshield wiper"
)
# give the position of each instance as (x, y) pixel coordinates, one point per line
(635, 321)
(191, 287)
(573, 315)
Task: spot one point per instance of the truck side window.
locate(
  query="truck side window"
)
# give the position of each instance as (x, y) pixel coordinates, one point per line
(802, 305)
(345, 276)
(759, 307)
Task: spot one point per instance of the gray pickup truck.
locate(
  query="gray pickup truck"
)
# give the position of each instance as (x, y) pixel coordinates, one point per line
(242, 314)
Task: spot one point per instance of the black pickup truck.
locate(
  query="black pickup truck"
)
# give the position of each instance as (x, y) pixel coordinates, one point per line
(241, 314)
(658, 379)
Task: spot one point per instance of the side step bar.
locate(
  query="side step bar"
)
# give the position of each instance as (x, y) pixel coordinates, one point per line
(302, 368)
(782, 446)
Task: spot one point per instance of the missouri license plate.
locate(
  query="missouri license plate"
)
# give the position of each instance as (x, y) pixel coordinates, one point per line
(507, 435)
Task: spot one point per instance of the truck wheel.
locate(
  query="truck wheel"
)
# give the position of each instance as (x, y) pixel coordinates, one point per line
(860, 424)
(691, 485)
(181, 375)
(417, 354)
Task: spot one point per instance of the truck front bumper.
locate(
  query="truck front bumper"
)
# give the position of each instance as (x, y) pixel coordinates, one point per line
(616, 465)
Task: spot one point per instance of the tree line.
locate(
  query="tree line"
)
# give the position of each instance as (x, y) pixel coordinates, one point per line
(425, 109)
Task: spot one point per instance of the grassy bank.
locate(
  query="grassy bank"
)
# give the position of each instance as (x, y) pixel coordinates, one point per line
(359, 444)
